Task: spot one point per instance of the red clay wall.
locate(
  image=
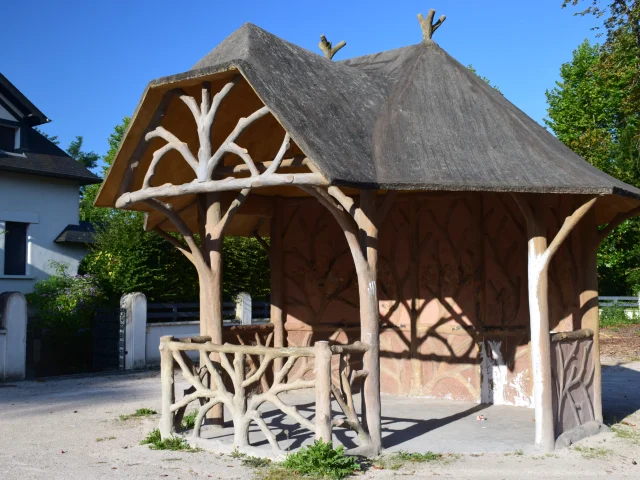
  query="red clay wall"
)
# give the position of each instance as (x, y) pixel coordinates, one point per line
(452, 286)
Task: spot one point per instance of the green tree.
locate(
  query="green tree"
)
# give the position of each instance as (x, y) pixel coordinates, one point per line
(622, 16)
(52, 138)
(75, 151)
(87, 159)
(88, 212)
(595, 110)
(481, 77)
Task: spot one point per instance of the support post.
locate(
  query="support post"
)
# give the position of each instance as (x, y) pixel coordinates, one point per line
(275, 266)
(167, 425)
(360, 226)
(211, 286)
(322, 370)
(589, 303)
(539, 257)
(370, 319)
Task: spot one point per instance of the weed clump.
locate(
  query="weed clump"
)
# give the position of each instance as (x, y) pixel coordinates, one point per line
(141, 412)
(321, 460)
(155, 442)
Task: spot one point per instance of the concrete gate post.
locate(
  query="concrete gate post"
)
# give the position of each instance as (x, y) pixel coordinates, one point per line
(135, 306)
(13, 336)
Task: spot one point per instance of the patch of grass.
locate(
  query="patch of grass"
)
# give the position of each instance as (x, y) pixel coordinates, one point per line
(155, 442)
(280, 473)
(626, 432)
(255, 462)
(141, 412)
(516, 452)
(102, 439)
(593, 453)
(249, 461)
(321, 460)
(397, 460)
(189, 420)
(418, 457)
(615, 317)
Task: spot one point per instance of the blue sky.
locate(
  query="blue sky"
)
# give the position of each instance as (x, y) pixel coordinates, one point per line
(86, 63)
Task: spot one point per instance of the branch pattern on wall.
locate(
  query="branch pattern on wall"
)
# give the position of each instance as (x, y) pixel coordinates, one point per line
(318, 273)
(422, 296)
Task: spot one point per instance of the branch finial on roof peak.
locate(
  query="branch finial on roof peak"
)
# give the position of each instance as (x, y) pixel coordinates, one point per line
(327, 49)
(427, 25)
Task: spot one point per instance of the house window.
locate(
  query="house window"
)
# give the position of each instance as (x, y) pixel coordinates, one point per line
(7, 138)
(15, 248)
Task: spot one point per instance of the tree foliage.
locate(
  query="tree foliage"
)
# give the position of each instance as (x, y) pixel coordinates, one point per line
(621, 16)
(126, 258)
(75, 151)
(482, 77)
(595, 110)
(52, 138)
(86, 159)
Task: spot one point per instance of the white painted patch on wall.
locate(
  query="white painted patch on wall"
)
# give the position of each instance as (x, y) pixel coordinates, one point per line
(495, 383)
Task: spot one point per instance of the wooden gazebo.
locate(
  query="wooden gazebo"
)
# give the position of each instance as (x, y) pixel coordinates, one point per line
(413, 214)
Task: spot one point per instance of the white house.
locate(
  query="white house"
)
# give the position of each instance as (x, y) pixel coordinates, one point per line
(39, 197)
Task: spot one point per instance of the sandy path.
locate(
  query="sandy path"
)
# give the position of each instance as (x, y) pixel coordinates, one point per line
(51, 430)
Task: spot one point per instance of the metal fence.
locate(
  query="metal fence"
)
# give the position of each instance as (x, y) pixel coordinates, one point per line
(619, 302)
(619, 308)
(181, 312)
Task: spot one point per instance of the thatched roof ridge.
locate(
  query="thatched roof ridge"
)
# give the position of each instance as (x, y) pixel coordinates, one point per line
(409, 118)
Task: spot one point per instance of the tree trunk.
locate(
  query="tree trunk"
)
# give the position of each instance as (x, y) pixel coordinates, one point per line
(370, 321)
(275, 264)
(211, 289)
(370, 335)
(540, 345)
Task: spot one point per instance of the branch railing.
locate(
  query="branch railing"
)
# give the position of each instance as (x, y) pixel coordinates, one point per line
(243, 378)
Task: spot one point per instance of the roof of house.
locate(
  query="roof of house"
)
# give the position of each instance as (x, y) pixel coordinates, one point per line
(84, 233)
(32, 114)
(44, 158)
(38, 155)
(413, 118)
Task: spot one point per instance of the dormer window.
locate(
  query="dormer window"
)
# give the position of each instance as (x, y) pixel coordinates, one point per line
(9, 138)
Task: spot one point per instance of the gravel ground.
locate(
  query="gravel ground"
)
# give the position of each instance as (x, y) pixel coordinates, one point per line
(620, 344)
(69, 429)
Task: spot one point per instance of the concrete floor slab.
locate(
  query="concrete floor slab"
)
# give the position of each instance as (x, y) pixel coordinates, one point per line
(412, 424)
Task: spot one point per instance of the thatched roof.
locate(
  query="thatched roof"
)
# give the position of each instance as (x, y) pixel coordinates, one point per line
(413, 118)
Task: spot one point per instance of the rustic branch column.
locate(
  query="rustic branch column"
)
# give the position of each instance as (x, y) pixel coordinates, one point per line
(210, 281)
(360, 226)
(275, 266)
(167, 426)
(589, 302)
(322, 370)
(539, 257)
(370, 317)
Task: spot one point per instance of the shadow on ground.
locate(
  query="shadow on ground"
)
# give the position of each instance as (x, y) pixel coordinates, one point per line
(620, 391)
